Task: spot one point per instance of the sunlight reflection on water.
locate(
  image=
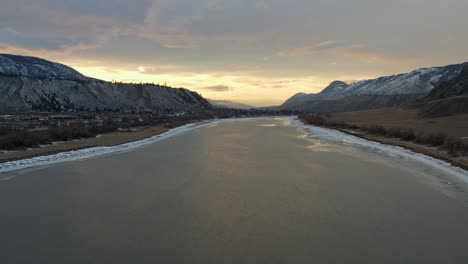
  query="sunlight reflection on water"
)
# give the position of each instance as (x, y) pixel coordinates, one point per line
(268, 125)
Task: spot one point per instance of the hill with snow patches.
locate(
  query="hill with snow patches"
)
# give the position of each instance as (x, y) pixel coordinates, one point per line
(28, 83)
(387, 91)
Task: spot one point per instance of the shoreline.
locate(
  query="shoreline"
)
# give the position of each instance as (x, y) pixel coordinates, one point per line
(359, 128)
(40, 160)
(103, 140)
(415, 147)
(387, 147)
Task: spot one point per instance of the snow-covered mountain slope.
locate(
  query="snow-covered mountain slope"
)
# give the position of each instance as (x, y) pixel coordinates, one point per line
(331, 92)
(358, 103)
(420, 81)
(37, 68)
(455, 87)
(448, 98)
(32, 83)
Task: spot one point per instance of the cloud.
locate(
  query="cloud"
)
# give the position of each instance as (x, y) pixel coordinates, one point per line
(216, 88)
(50, 49)
(53, 32)
(333, 44)
(175, 33)
(172, 24)
(61, 29)
(262, 5)
(158, 69)
(44, 53)
(323, 46)
(8, 35)
(153, 13)
(346, 49)
(367, 55)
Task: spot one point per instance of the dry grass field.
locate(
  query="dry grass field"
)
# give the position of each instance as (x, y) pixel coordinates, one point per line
(456, 126)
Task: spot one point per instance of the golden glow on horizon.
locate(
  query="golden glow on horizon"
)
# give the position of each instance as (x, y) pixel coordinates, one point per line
(242, 88)
(255, 88)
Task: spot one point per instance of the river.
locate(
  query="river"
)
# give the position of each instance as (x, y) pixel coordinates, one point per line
(251, 191)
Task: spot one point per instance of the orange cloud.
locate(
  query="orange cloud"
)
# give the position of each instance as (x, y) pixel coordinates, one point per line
(345, 49)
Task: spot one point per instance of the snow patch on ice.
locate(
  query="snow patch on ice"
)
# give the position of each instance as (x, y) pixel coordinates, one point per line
(396, 152)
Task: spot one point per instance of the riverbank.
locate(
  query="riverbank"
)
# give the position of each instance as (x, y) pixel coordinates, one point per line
(104, 140)
(114, 143)
(110, 139)
(436, 145)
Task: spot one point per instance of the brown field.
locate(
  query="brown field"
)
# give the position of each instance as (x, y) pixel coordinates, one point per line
(435, 152)
(456, 126)
(110, 139)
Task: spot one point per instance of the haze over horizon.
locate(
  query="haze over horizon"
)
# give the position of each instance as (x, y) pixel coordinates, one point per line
(254, 52)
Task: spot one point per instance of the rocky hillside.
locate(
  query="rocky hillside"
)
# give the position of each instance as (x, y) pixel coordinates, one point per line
(360, 102)
(455, 87)
(413, 84)
(31, 83)
(449, 98)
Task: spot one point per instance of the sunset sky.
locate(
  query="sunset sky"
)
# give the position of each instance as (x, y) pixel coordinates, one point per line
(255, 52)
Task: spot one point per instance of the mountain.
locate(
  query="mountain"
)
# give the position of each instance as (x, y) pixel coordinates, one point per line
(229, 104)
(413, 84)
(359, 102)
(331, 92)
(448, 98)
(31, 83)
(15, 65)
(455, 87)
(418, 81)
